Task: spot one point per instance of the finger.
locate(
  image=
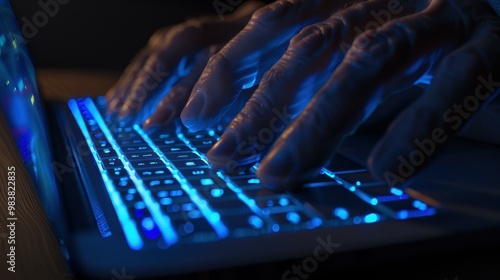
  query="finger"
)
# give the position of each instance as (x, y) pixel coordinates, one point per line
(167, 47)
(351, 94)
(170, 107)
(306, 65)
(244, 60)
(115, 95)
(422, 130)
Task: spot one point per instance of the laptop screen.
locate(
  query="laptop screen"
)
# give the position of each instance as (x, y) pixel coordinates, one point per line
(20, 105)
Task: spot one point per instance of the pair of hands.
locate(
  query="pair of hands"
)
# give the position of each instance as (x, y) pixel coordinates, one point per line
(297, 77)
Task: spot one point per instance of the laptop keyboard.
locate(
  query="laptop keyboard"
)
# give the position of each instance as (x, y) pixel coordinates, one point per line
(165, 193)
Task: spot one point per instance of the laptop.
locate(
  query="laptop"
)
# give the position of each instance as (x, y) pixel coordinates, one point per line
(125, 203)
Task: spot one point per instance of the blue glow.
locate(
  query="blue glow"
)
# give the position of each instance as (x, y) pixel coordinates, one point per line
(372, 218)
(357, 220)
(217, 192)
(293, 217)
(249, 81)
(150, 229)
(419, 205)
(212, 217)
(130, 230)
(162, 221)
(139, 205)
(284, 201)
(254, 181)
(275, 227)
(166, 201)
(207, 182)
(365, 197)
(405, 214)
(402, 215)
(20, 85)
(341, 213)
(148, 223)
(162, 194)
(358, 183)
(255, 222)
(314, 223)
(396, 191)
(352, 188)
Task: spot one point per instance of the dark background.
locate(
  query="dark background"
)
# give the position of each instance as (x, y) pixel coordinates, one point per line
(98, 34)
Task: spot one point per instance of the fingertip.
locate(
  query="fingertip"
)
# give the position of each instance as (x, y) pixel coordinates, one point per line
(223, 149)
(275, 171)
(192, 110)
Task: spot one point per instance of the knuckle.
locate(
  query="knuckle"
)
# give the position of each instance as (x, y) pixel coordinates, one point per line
(272, 12)
(273, 75)
(470, 58)
(258, 105)
(187, 29)
(217, 59)
(320, 32)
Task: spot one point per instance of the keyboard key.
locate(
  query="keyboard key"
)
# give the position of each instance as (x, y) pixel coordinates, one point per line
(327, 199)
(190, 163)
(320, 181)
(247, 221)
(197, 172)
(131, 142)
(112, 163)
(230, 207)
(102, 144)
(213, 194)
(294, 220)
(169, 196)
(162, 183)
(117, 172)
(341, 164)
(384, 193)
(126, 135)
(169, 142)
(107, 153)
(123, 183)
(134, 149)
(409, 208)
(203, 182)
(247, 181)
(160, 172)
(257, 192)
(182, 156)
(192, 226)
(361, 179)
(276, 204)
(142, 156)
(168, 150)
(142, 164)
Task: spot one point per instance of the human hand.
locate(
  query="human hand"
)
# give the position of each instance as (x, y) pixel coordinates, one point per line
(457, 39)
(162, 67)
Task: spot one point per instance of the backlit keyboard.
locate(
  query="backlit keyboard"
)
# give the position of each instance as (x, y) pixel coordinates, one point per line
(164, 192)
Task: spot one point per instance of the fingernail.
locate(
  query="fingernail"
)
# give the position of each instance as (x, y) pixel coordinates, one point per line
(192, 110)
(222, 151)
